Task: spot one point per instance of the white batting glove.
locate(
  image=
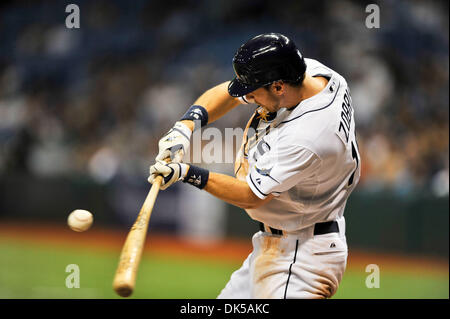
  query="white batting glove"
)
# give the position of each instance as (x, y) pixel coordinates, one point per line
(174, 144)
(171, 172)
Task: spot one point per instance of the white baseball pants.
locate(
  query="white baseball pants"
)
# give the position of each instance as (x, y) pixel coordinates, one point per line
(292, 265)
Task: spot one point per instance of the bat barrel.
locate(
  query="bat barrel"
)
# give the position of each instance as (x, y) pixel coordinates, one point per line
(124, 289)
(125, 278)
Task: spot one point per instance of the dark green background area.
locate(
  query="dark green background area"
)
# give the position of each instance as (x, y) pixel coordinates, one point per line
(379, 220)
(38, 271)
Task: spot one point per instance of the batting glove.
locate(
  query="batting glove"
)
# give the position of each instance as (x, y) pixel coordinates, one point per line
(174, 144)
(171, 172)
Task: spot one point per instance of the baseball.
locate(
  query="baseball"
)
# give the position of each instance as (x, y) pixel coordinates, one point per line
(80, 220)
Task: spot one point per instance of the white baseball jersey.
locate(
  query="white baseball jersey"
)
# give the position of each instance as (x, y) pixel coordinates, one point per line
(306, 156)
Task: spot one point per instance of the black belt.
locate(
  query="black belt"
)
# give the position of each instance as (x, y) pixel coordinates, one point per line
(319, 228)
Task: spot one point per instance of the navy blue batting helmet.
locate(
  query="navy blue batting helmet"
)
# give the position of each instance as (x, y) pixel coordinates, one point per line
(263, 60)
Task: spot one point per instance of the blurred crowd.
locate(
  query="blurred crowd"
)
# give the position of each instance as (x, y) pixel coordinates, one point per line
(96, 100)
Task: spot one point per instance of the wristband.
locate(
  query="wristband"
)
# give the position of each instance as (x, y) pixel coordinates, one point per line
(196, 113)
(196, 176)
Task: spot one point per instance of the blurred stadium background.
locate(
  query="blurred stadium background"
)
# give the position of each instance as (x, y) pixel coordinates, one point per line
(81, 111)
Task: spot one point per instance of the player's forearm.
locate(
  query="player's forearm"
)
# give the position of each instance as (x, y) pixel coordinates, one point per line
(217, 103)
(233, 191)
(224, 187)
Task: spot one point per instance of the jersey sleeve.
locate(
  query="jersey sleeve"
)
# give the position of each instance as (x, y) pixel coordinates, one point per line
(279, 170)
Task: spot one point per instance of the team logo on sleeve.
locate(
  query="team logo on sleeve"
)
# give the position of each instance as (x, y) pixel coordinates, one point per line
(266, 172)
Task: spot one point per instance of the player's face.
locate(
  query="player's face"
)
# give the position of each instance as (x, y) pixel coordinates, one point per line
(264, 98)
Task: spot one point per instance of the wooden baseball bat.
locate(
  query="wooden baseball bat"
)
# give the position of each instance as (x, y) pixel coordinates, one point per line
(130, 257)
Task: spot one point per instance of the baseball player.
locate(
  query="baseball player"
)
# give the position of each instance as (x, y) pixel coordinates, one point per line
(297, 165)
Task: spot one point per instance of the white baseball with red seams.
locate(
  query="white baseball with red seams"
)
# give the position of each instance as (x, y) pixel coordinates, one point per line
(80, 220)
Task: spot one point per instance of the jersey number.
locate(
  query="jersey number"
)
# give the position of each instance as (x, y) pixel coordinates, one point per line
(355, 157)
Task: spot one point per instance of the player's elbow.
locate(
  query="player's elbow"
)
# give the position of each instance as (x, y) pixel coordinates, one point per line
(248, 206)
(254, 201)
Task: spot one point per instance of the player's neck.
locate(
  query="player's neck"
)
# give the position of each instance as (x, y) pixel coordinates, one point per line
(311, 86)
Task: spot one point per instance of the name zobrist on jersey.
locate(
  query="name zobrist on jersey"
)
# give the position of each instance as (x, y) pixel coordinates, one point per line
(346, 115)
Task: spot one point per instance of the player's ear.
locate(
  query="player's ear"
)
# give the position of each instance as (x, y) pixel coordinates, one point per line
(278, 87)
